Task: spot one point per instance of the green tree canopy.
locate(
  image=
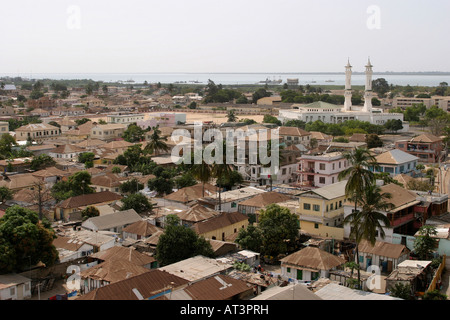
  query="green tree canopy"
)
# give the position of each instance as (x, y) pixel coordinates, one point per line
(25, 240)
(425, 242)
(134, 133)
(89, 212)
(250, 238)
(42, 161)
(77, 184)
(131, 186)
(179, 242)
(280, 229)
(138, 202)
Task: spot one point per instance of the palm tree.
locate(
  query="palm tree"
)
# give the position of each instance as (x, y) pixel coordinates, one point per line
(359, 178)
(156, 142)
(358, 174)
(203, 171)
(366, 222)
(222, 170)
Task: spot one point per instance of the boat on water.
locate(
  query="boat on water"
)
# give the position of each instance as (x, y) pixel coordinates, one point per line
(329, 80)
(271, 82)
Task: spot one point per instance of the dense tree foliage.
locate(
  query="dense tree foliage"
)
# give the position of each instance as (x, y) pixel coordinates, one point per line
(25, 241)
(179, 242)
(138, 202)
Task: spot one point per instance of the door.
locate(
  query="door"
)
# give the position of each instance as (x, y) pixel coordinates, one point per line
(299, 274)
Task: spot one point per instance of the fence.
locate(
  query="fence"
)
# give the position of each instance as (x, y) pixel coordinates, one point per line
(437, 275)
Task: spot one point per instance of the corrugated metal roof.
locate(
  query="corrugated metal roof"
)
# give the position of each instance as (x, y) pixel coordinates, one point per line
(196, 268)
(115, 219)
(334, 291)
(290, 292)
(219, 287)
(147, 284)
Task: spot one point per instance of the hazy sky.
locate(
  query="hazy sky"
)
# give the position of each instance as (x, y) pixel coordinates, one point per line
(77, 36)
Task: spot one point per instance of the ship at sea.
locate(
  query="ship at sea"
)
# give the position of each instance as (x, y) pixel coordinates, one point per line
(271, 82)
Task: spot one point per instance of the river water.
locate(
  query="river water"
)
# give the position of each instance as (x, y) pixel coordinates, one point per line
(413, 79)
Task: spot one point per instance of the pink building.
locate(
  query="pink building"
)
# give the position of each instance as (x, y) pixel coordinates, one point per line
(320, 170)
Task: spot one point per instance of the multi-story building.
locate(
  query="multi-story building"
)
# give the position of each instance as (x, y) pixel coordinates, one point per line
(321, 210)
(43, 103)
(293, 135)
(108, 132)
(426, 147)
(401, 215)
(126, 118)
(4, 127)
(38, 132)
(320, 170)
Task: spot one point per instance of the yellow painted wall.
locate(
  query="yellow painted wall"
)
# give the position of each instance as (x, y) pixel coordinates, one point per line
(306, 214)
(323, 231)
(229, 230)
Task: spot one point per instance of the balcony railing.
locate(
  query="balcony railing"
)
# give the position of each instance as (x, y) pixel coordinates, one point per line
(401, 220)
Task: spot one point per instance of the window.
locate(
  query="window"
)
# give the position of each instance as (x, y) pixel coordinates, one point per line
(340, 204)
(288, 269)
(12, 291)
(388, 169)
(316, 207)
(321, 179)
(331, 207)
(307, 206)
(316, 226)
(322, 166)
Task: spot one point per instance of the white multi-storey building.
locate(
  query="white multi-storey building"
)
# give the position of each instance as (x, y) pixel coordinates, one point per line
(320, 170)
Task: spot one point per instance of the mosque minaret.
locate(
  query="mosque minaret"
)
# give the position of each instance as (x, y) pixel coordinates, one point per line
(348, 87)
(368, 93)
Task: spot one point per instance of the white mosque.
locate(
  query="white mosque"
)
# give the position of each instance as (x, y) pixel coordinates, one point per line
(330, 113)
